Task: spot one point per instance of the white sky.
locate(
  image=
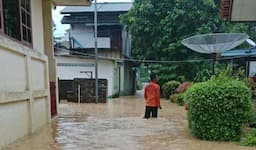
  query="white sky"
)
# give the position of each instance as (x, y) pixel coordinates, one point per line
(60, 28)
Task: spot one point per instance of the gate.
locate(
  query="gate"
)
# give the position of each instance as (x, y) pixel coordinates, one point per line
(87, 90)
(69, 90)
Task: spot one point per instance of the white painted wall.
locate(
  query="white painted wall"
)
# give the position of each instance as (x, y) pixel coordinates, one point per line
(252, 70)
(24, 88)
(85, 36)
(37, 25)
(105, 70)
(14, 120)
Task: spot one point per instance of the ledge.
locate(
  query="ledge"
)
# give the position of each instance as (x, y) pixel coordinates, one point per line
(12, 97)
(16, 47)
(39, 94)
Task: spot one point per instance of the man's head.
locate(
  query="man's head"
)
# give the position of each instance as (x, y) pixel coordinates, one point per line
(153, 77)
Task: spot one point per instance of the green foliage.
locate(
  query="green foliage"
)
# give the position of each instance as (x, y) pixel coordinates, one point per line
(250, 83)
(169, 88)
(180, 99)
(173, 98)
(203, 75)
(252, 120)
(249, 139)
(158, 27)
(218, 108)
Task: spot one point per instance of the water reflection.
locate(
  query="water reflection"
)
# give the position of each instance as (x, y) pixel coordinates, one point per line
(118, 125)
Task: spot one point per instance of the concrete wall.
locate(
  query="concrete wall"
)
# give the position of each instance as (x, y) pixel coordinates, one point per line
(252, 71)
(243, 10)
(85, 36)
(37, 25)
(24, 88)
(70, 67)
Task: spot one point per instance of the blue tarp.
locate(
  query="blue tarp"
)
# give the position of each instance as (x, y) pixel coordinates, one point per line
(243, 53)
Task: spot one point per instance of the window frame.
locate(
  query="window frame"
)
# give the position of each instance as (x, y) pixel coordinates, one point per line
(21, 24)
(27, 12)
(1, 16)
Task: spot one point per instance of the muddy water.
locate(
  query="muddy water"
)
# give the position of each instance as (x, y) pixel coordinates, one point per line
(118, 125)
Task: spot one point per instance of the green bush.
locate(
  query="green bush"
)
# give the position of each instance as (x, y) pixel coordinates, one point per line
(173, 98)
(249, 139)
(203, 75)
(218, 108)
(180, 99)
(169, 88)
(250, 83)
(177, 98)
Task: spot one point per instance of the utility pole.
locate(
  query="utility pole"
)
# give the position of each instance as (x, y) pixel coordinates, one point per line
(96, 52)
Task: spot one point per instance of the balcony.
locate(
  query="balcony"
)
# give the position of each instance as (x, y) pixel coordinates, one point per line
(103, 42)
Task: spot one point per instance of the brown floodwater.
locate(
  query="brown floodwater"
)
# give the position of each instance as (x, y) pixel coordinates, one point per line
(118, 125)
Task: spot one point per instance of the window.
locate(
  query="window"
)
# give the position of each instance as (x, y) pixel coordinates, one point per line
(17, 20)
(103, 31)
(26, 21)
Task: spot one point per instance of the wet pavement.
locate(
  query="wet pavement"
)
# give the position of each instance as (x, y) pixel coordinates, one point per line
(118, 125)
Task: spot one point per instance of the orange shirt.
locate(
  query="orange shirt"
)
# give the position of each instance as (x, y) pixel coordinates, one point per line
(152, 95)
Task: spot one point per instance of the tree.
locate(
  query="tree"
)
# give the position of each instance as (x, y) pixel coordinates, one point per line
(158, 27)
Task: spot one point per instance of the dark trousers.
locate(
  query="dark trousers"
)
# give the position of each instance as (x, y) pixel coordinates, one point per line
(150, 110)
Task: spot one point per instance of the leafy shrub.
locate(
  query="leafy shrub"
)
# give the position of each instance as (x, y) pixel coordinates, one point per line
(249, 139)
(183, 87)
(250, 83)
(177, 98)
(169, 88)
(218, 108)
(203, 76)
(173, 98)
(252, 120)
(180, 99)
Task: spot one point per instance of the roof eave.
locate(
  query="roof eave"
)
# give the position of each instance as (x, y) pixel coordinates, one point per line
(72, 2)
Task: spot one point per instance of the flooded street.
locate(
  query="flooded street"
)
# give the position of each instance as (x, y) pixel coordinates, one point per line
(118, 125)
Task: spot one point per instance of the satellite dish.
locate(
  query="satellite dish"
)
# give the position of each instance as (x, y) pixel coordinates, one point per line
(215, 43)
(251, 43)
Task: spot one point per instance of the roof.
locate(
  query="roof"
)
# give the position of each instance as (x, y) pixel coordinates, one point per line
(87, 19)
(242, 53)
(102, 7)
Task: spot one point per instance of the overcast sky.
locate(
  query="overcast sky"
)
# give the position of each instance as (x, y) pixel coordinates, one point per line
(60, 28)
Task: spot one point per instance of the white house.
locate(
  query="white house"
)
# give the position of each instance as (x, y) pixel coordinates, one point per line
(27, 67)
(114, 44)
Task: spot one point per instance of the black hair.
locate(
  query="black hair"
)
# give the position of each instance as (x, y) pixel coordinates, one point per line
(152, 76)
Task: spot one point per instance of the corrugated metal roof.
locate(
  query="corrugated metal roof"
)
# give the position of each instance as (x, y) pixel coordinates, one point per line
(75, 19)
(242, 53)
(102, 7)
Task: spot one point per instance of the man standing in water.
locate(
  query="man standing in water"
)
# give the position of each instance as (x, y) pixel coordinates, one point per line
(152, 97)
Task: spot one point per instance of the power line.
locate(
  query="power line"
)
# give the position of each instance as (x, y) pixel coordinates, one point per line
(87, 55)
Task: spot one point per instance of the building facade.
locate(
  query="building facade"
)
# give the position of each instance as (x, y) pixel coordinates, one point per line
(113, 43)
(27, 67)
(239, 11)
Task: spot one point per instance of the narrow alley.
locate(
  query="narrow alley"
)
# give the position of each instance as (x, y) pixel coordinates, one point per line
(118, 125)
